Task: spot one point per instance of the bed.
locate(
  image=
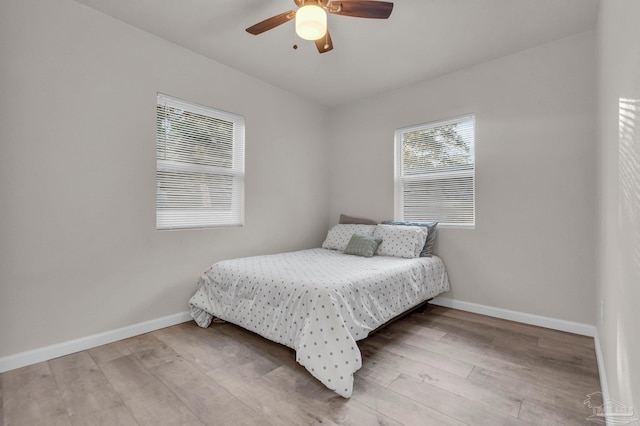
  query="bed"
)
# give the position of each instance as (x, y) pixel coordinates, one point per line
(320, 301)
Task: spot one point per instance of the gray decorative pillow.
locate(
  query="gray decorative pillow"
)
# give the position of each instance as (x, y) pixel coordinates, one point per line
(363, 245)
(338, 237)
(344, 219)
(432, 228)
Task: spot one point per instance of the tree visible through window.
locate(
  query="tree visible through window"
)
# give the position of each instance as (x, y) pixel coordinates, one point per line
(200, 166)
(434, 172)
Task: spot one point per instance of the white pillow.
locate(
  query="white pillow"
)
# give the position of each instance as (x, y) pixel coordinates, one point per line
(401, 241)
(338, 237)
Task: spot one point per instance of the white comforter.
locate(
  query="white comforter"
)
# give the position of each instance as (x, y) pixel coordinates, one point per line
(318, 302)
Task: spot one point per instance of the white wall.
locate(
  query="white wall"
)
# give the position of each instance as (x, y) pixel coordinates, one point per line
(79, 252)
(619, 154)
(533, 248)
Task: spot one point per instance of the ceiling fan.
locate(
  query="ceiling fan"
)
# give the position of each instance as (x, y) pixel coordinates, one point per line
(311, 18)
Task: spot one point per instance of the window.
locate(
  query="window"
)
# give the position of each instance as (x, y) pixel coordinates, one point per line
(435, 172)
(200, 166)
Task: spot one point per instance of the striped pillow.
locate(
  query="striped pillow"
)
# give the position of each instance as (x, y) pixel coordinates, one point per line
(362, 245)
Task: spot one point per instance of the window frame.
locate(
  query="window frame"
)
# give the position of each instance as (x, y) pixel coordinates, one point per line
(400, 178)
(195, 219)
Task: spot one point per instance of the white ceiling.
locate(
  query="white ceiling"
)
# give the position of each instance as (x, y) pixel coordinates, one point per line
(421, 40)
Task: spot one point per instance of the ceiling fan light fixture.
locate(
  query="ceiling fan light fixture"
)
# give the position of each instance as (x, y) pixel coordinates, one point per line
(311, 18)
(311, 22)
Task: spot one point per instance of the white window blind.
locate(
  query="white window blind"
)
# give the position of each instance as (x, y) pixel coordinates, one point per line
(200, 166)
(435, 172)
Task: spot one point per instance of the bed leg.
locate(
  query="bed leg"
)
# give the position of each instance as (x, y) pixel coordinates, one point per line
(423, 307)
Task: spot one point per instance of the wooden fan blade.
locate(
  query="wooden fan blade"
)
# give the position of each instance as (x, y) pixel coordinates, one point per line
(361, 8)
(271, 23)
(324, 44)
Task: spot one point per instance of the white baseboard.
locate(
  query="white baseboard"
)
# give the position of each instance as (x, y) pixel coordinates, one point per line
(604, 386)
(547, 322)
(46, 353)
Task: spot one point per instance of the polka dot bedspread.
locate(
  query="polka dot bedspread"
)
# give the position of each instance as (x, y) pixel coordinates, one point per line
(318, 302)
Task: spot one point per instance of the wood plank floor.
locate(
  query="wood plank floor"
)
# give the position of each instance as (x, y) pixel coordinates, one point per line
(441, 367)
